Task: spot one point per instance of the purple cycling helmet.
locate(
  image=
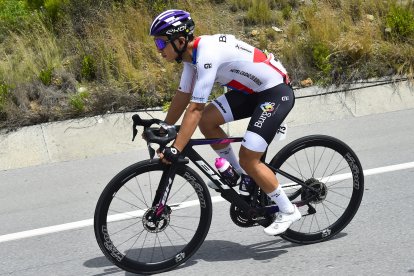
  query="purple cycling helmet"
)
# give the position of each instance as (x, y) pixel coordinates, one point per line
(171, 23)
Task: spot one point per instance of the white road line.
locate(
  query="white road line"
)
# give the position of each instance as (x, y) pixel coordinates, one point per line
(89, 222)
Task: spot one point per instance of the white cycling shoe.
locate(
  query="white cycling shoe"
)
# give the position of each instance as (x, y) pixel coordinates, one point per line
(282, 222)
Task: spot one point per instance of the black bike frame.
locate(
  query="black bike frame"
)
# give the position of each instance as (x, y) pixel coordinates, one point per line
(226, 191)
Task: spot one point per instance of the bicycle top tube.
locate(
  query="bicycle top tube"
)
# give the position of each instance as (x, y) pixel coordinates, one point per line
(206, 141)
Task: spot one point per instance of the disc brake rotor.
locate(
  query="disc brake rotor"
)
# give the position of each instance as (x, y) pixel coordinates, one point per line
(155, 224)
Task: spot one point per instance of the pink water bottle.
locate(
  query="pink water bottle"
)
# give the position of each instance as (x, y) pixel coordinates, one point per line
(227, 171)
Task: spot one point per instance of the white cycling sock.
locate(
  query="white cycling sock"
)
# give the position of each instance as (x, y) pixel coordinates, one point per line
(229, 155)
(280, 198)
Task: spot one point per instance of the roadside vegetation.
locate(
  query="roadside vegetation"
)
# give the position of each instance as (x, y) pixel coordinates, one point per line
(63, 59)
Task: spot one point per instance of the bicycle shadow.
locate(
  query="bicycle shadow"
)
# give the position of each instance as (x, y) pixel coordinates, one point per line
(213, 251)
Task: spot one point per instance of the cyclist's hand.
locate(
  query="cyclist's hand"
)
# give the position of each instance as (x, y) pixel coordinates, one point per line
(169, 155)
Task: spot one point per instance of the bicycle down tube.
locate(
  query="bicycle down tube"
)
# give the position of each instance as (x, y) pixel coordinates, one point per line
(226, 191)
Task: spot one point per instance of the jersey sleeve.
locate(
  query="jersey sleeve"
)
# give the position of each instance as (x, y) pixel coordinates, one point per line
(207, 65)
(187, 78)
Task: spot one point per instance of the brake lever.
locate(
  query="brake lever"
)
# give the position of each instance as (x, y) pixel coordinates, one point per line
(134, 131)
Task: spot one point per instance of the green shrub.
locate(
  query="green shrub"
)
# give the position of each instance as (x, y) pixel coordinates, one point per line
(88, 71)
(45, 76)
(12, 10)
(78, 101)
(401, 21)
(320, 56)
(53, 8)
(35, 4)
(287, 12)
(259, 12)
(165, 106)
(243, 5)
(4, 94)
(13, 15)
(158, 6)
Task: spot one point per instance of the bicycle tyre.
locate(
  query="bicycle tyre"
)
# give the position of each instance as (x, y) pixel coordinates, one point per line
(187, 191)
(341, 183)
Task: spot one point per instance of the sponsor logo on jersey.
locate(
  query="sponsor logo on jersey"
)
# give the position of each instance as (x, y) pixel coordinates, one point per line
(222, 38)
(198, 99)
(247, 75)
(243, 49)
(268, 109)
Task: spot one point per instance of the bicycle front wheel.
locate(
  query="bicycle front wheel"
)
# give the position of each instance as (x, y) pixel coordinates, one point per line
(124, 226)
(331, 168)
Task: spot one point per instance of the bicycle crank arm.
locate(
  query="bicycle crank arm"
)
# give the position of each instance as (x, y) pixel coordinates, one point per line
(233, 197)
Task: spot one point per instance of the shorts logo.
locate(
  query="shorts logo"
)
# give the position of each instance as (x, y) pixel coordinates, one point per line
(268, 107)
(285, 98)
(221, 106)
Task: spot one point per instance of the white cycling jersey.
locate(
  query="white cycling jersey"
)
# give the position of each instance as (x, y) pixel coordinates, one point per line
(230, 62)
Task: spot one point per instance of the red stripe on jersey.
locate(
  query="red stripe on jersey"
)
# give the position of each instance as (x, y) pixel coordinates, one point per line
(195, 45)
(239, 86)
(196, 41)
(259, 56)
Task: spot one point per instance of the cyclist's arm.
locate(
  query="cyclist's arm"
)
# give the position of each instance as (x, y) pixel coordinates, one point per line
(189, 124)
(177, 107)
(207, 65)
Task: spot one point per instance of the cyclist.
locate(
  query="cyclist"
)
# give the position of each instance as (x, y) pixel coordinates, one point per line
(260, 89)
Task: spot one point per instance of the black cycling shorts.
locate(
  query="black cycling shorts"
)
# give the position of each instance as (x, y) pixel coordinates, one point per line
(267, 109)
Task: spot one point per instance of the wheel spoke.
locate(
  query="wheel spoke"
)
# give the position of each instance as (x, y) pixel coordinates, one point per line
(327, 166)
(144, 236)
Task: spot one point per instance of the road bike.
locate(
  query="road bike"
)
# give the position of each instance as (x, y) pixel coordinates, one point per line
(152, 217)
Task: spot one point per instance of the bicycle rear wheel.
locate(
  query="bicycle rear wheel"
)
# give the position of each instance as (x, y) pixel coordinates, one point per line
(331, 167)
(124, 226)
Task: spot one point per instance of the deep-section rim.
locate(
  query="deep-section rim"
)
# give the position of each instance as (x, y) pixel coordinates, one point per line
(349, 213)
(143, 268)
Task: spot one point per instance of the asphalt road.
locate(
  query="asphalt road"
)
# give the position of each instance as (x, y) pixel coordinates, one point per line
(379, 241)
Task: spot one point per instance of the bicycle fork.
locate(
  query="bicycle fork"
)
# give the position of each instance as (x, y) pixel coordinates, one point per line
(163, 190)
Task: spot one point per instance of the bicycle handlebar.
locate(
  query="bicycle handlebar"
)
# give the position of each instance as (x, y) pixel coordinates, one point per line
(152, 135)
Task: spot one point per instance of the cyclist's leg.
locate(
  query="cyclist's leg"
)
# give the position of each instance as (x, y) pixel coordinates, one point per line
(272, 108)
(210, 125)
(224, 109)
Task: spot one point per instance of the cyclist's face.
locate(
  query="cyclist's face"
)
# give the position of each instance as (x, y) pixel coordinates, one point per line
(164, 48)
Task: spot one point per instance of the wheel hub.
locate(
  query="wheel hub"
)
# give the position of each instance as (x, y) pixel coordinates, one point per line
(153, 223)
(321, 191)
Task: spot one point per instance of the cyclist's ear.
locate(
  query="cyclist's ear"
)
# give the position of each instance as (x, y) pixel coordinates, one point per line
(181, 40)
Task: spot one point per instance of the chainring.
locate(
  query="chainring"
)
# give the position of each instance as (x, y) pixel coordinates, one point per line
(239, 217)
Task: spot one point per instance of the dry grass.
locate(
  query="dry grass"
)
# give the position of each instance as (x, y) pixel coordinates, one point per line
(331, 41)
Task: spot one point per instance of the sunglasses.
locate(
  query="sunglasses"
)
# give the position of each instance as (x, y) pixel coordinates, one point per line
(161, 43)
